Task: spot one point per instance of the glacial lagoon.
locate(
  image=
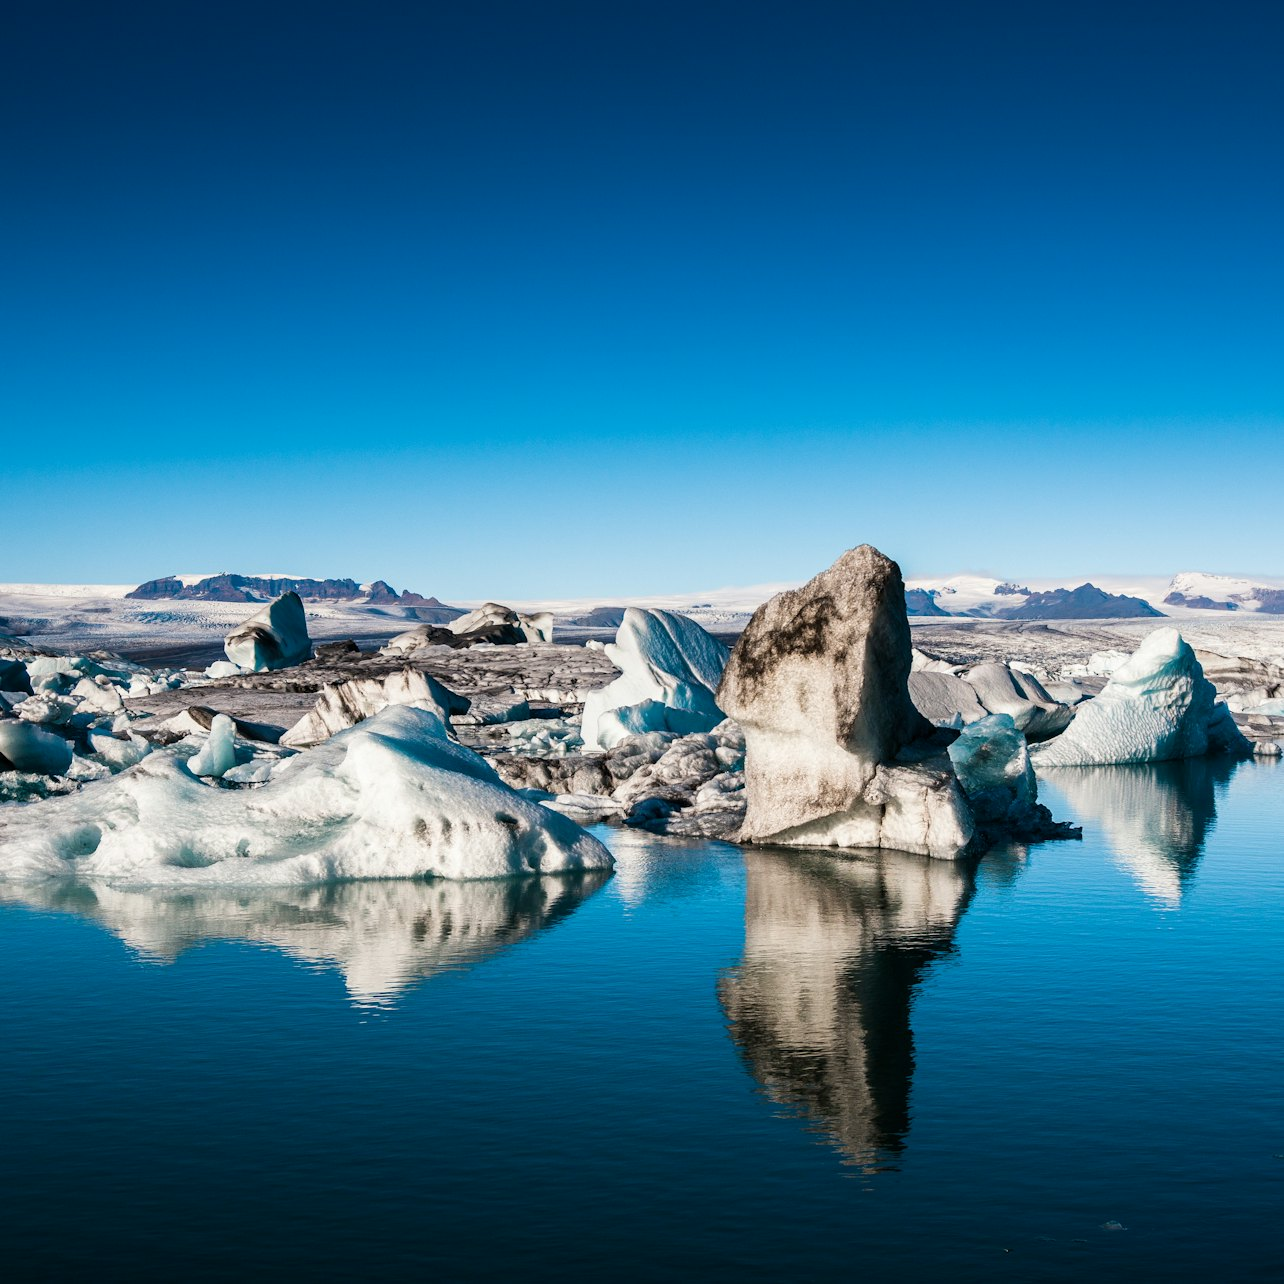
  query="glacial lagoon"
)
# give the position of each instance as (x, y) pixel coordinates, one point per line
(1061, 1062)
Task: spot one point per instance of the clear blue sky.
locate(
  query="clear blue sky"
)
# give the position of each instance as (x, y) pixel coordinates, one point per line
(566, 299)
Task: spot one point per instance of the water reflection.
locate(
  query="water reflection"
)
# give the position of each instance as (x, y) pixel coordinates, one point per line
(381, 936)
(820, 1003)
(1156, 816)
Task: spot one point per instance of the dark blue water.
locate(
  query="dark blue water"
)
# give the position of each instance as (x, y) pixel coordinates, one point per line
(1065, 1063)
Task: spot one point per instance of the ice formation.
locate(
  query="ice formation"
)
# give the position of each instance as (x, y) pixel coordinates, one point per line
(944, 699)
(836, 753)
(345, 704)
(669, 665)
(1003, 689)
(532, 628)
(1156, 707)
(274, 638)
(992, 762)
(217, 756)
(392, 797)
(27, 747)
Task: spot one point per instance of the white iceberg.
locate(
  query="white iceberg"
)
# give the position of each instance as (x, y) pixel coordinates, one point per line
(392, 797)
(274, 638)
(664, 659)
(1156, 707)
(217, 756)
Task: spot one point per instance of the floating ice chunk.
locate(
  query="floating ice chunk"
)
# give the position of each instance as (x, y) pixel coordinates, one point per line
(1104, 663)
(47, 709)
(117, 753)
(545, 737)
(490, 711)
(392, 797)
(257, 772)
(345, 704)
(100, 697)
(27, 747)
(992, 754)
(223, 669)
(274, 638)
(664, 658)
(1158, 706)
(218, 755)
(993, 765)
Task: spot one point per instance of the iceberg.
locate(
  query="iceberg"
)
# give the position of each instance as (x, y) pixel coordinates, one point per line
(1157, 706)
(27, 747)
(392, 797)
(495, 619)
(274, 638)
(13, 677)
(217, 756)
(1002, 689)
(944, 699)
(664, 659)
(344, 704)
(836, 753)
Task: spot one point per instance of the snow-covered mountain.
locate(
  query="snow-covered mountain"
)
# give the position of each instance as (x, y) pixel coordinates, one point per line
(985, 598)
(1199, 590)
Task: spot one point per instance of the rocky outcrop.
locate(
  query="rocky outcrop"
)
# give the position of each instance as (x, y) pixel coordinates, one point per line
(275, 638)
(836, 753)
(1199, 602)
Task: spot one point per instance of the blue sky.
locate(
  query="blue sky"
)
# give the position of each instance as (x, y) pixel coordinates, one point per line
(572, 299)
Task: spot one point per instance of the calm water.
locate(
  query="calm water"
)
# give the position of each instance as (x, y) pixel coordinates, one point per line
(1067, 1063)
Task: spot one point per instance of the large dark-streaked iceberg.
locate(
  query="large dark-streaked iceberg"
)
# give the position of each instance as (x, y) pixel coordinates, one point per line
(836, 753)
(274, 638)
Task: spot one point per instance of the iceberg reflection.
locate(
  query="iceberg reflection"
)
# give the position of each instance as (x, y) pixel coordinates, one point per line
(1155, 816)
(820, 1003)
(382, 937)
